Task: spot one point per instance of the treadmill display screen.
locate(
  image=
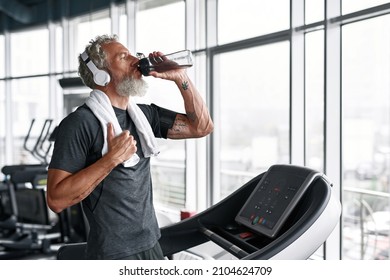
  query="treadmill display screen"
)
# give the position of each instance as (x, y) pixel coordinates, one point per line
(273, 199)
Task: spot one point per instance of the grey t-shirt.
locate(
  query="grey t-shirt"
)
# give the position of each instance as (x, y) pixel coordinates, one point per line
(120, 209)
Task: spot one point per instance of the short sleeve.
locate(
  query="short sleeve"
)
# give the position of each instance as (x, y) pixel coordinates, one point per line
(160, 119)
(75, 137)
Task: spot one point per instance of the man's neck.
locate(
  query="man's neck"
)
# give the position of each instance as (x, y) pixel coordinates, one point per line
(116, 100)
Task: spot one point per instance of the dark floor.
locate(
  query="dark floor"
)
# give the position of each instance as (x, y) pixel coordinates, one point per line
(28, 255)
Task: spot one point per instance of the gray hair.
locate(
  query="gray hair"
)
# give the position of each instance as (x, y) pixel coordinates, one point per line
(97, 56)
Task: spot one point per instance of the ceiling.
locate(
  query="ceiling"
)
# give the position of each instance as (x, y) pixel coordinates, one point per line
(22, 14)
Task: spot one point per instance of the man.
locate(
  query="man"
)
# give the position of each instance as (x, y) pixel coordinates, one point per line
(109, 170)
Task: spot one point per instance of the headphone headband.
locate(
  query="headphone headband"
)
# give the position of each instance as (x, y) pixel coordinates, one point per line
(100, 77)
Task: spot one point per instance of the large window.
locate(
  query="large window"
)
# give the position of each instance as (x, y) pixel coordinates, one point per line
(314, 11)
(349, 6)
(314, 100)
(88, 28)
(161, 28)
(30, 96)
(30, 100)
(59, 50)
(252, 89)
(366, 139)
(314, 104)
(29, 52)
(168, 169)
(2, 57)
(122, 33)
(2, 104)
(244, 19)
(2, 125)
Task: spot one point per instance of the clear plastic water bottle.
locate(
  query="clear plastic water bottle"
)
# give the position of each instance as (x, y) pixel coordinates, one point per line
(176, 60)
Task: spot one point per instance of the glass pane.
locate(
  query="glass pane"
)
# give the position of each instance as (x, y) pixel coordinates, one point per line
(366, 138)
(314, 100)
(244, 19)
(170, 34)
(254, 112)
(314, 11)
(200, 24)
(123, 24)
(168, 174)
(168, 169)
(349, 6)
(29, 52)
(2, 56)
(314, 104)
(87, 29)
(59, 49)
(2, 125)
(30, 100)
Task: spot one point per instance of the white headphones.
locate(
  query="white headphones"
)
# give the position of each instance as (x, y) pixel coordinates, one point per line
(100, 77)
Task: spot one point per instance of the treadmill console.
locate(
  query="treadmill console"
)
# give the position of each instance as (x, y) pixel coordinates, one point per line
(274, 198)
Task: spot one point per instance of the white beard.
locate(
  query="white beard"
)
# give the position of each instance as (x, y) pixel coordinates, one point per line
(132, 87)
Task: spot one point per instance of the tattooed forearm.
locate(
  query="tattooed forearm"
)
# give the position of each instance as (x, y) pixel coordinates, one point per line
(196, 122)
(192, 116)
(179, 125)
(184, 85)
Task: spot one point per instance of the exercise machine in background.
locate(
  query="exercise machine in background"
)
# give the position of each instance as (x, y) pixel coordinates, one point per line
(25, 226)
(286, 213)
(41, 148)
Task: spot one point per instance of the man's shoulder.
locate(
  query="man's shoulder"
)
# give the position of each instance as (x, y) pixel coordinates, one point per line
(144, 107)
(149, 110)
(82, 116)
(81, 111)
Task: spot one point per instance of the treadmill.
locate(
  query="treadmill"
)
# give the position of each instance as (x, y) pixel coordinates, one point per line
(285, 213)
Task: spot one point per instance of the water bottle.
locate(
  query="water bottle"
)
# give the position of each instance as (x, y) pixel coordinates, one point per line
(176, 60)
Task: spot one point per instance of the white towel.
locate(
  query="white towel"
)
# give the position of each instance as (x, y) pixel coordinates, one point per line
(100, 105)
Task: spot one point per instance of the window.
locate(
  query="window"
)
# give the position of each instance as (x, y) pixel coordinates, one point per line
(314, 11)
(30, 100)
(122, 25)
(168, 169)
(314, 99)
(2, 124)
(252, 87)
(350, 6)
(314, 104)
(29, 96)
(2, 56)
(244, 19)
(200, 24)
(2, 104)
(88, 28)
(366, 138)
(29, 52)
(170, 34)
(59, 51)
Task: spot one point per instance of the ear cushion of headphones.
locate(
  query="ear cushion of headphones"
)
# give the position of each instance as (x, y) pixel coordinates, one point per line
(101, 77)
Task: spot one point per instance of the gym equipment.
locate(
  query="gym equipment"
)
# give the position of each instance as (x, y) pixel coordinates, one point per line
(287, 212)
(42, 146)
(27, 226)
(26, 223)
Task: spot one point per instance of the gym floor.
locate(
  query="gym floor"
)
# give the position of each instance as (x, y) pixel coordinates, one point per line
(24, 255)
